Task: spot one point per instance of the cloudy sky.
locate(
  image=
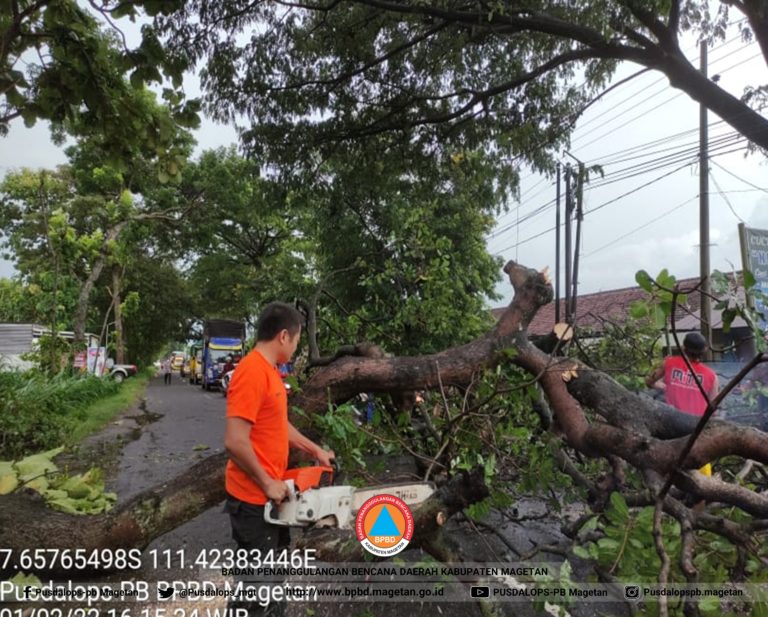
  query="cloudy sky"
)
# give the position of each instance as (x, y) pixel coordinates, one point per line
(637, 220)
(642, 215)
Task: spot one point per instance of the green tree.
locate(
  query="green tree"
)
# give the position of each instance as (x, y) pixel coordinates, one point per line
(20, 303)
(386, 256)
(75, 72)
(85, 220)
(508, 75)
(162, 306)
(46, 219)
(44, 248)
(245, 242)
(401, 257)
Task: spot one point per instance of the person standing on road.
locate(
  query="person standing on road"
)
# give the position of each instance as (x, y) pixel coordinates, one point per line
(166, 369)
(680, 385)
(258, 435)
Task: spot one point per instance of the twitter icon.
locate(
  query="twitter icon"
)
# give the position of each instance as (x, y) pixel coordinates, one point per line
(164, 594)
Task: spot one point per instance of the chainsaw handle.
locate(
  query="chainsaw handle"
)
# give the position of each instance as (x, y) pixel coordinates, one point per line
(271, 506)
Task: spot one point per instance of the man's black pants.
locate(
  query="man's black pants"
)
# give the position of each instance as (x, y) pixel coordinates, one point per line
(251, 531)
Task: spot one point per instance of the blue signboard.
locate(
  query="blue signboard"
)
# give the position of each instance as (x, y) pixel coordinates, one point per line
(754, 255)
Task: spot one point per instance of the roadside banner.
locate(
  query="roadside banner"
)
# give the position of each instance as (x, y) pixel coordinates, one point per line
(80, 360)
(754, 257)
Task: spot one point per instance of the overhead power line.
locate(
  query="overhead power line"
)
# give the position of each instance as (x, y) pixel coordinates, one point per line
(656, 82)
(682, 158)
(643, 226)
(614, 200)
(648, 97)
(739, 178)
(645, 167)
(725, 198)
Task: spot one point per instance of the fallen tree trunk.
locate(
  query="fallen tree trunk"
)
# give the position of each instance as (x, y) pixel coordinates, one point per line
(162, 508)
(647, 428)
(26, 523)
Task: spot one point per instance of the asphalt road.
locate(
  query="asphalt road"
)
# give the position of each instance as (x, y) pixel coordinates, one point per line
(190, 427)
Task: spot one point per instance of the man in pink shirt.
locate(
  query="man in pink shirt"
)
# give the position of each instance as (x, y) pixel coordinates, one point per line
(679, 385)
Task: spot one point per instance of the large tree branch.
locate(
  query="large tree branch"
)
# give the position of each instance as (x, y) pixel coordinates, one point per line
(653, 23)
(341, 78)
(664, 56)
(638, 430)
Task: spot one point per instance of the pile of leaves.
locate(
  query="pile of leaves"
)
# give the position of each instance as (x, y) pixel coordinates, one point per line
(79, 494)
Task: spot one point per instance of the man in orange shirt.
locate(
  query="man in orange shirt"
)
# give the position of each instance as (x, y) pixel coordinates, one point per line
(258, 436)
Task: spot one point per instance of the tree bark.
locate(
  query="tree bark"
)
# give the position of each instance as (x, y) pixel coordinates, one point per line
(25, 522)
(647, 434)
(117, 283)
(84, 297)
(164, 507)
(662, 54)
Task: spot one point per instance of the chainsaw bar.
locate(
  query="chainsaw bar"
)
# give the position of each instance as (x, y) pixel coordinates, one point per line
(336, 506)
(412, 493)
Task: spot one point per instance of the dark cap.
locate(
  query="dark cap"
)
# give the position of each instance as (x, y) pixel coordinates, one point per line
(695, 342)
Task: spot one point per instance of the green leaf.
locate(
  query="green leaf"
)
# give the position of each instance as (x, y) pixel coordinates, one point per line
(608, 543)
(749, 279)
(709, 605)
(9, 480)
(580, 551)
(30, 118)
(76, 487)
(137, 79)
(619, 504)
(638, 309)
(644, 280)
(665, 279)
(37, 464)
(23, 580)
(728, 315)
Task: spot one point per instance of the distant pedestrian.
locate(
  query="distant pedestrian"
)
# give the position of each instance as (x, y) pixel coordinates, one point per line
(166, 369)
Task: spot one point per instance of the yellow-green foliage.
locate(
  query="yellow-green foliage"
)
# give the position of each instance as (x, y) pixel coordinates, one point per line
(80, 494)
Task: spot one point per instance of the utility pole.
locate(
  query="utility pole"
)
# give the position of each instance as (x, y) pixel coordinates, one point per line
(568, 248)
(706, 309)
(557, 248)
(579, 219)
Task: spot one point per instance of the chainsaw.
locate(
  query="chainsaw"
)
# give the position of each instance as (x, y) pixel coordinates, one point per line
(313, 500)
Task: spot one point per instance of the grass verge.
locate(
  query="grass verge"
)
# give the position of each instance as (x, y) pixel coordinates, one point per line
(103, 411)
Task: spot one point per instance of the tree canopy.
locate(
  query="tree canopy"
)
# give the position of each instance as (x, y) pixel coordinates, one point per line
(79, 74)
(510, 78)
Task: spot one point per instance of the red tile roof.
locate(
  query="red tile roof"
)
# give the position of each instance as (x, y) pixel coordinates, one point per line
(592, 310)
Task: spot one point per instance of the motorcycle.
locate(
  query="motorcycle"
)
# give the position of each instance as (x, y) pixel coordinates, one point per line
(225, 379)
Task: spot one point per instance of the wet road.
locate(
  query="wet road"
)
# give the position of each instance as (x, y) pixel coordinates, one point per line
(191, 427)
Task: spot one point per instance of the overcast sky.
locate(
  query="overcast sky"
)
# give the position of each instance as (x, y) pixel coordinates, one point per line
(626, 226)
(656, 226)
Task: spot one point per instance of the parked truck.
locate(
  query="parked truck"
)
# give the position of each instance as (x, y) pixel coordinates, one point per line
(221, 338)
